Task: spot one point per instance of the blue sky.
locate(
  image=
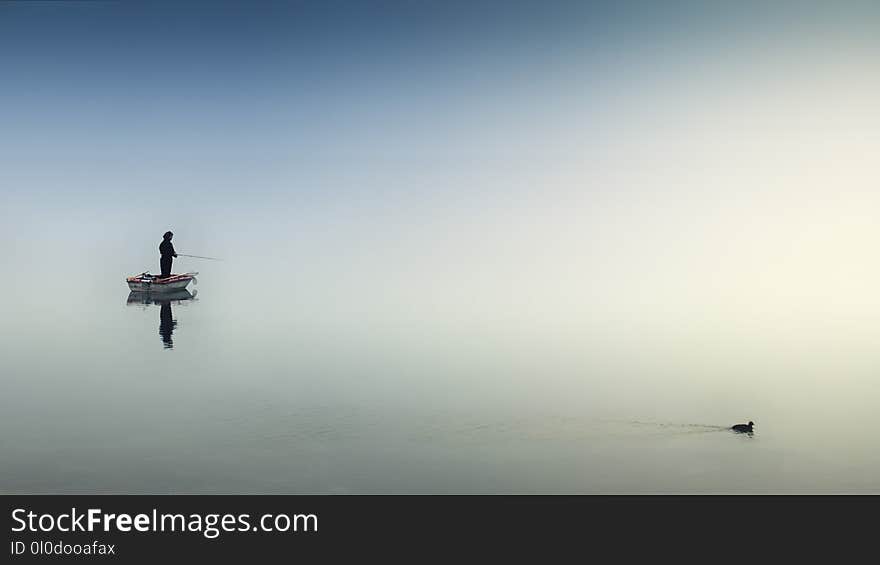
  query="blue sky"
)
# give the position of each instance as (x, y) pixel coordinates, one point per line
(540, 148)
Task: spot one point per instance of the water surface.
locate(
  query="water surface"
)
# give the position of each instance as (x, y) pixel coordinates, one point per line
(281, 388)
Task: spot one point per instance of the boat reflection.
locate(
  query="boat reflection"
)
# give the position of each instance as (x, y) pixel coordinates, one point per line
(167, 322)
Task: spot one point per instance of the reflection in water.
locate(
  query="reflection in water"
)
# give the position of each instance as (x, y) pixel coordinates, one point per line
(167, 323)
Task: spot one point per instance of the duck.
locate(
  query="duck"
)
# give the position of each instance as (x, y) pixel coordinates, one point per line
(743, 427)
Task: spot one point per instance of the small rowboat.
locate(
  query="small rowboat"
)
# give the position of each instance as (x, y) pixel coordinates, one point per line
(145, 282)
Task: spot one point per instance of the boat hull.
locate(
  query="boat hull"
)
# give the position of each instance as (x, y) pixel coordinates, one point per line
(148, 283)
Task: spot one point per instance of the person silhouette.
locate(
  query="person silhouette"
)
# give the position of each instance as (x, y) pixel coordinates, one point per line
(167, 254)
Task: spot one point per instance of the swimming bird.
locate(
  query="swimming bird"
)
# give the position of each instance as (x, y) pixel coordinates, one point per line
(743, 427)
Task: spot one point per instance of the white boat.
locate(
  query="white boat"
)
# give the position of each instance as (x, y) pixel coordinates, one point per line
(145, 282)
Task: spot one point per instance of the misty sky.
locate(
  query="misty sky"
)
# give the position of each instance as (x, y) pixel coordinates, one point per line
(550, 164)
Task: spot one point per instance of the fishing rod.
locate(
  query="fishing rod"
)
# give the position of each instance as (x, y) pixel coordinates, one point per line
(199, 257)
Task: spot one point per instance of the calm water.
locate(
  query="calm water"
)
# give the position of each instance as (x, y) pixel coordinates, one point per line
(279, 387)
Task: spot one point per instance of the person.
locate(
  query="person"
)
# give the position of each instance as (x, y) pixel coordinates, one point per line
(166, 250)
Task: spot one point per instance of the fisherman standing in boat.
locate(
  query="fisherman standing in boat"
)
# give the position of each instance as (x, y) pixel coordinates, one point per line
(168, 254)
